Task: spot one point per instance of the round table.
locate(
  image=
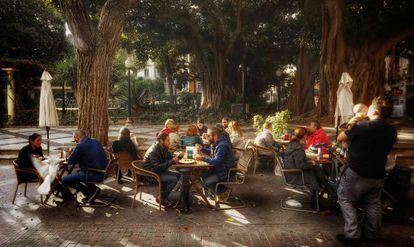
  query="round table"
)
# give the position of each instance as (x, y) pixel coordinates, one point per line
(191, 174)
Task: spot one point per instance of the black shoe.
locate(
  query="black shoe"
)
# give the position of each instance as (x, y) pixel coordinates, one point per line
(94, 195)
(119, 180)
(347, 241)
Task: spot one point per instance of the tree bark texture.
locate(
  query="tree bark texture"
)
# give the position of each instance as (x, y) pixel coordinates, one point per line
(302, 98)
(95, 44)
(212, 56)
(365, 63)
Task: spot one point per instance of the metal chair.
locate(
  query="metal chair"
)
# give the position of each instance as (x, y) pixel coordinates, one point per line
(139, 172)
(236, 176)
(258, 149)
(20, 172)
(106, 200)
(303, 187)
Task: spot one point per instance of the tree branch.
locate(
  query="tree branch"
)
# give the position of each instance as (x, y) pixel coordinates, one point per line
(112, 18)
(238, 30)
(79, 22)
(394, 39)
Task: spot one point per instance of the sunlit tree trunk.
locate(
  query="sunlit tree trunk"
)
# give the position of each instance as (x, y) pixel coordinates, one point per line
(95, 44)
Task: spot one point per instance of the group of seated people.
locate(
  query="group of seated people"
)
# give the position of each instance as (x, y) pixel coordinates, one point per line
(214, 146)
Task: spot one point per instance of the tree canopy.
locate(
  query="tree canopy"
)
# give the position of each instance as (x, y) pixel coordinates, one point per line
(32, 30)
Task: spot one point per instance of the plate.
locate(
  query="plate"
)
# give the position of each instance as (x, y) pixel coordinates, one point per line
(187, 161)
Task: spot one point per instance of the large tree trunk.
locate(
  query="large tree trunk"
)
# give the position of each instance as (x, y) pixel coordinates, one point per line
(95, 45)
(365, 63)
(302, 98)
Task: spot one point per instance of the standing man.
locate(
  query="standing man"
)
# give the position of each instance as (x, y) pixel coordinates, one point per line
(222, 160)
(158, 159)
(88, 153)
(362, 182)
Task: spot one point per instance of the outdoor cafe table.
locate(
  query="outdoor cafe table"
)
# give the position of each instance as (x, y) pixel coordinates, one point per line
(53, 187)
(328, 162)
(191, 176)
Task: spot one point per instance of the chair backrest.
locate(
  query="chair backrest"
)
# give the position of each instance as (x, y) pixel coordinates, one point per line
(245, 159)
(139, 170)
(111, 168)
(124, 160)
(20, 171)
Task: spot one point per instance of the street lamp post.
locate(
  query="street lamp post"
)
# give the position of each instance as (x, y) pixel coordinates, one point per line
(129, 64)
(243, 70)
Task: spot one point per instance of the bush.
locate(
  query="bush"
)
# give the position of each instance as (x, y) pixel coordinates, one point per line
(279, 122)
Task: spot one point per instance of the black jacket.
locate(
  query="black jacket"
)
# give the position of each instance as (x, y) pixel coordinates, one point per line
(294, 157)
(125, 145)
(157, 159)
(23, 160)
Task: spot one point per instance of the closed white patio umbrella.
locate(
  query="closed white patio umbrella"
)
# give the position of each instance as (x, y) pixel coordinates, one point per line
(47, 109)
(345, 100)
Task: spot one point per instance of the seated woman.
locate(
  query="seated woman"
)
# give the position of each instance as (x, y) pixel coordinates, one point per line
(34, 148)
(191, 138)
(294, 157)
(201, 127)
(169, 123)
(175, 138)
(236, 134)
(124, 144)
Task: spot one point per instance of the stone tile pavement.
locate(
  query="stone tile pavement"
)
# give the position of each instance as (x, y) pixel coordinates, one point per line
(261, 223)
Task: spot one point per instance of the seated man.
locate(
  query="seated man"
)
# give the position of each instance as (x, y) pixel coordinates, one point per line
(158, 159)
(294, 157)
(222, 160)
(316, 134)
(265, 139)
(34, 148)
(88, 153)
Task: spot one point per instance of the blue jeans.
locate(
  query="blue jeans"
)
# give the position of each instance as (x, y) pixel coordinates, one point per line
(356, 190)
(75, 180)
(210, 180)
(168, 179)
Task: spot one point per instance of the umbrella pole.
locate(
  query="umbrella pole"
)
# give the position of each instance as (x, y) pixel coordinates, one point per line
(47, 135)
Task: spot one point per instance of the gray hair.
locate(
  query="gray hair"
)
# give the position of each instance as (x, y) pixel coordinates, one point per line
(80, 133)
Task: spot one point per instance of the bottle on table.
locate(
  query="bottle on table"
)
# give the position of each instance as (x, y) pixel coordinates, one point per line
(320, 154)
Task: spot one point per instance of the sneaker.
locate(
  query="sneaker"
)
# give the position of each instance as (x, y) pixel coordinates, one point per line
(224, 197)
(94, 195)
(348, 241)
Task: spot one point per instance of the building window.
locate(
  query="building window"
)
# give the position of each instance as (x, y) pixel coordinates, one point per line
(146, 73)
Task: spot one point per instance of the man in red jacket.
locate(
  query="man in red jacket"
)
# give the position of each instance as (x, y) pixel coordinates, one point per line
(316, 134)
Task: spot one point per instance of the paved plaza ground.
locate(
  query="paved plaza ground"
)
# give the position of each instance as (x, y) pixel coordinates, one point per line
(261, 223)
